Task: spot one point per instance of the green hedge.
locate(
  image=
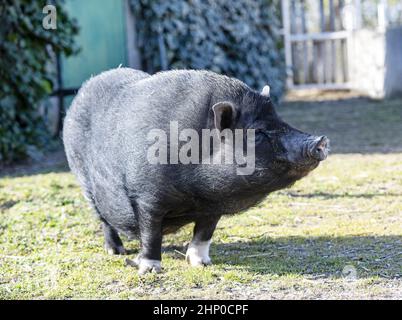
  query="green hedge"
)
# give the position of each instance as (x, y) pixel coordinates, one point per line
(27, 55)
(237, 38)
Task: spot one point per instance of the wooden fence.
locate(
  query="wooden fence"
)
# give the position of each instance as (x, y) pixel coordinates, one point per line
(316, 44)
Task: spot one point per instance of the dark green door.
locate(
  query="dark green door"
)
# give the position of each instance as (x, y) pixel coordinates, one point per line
(101, 39)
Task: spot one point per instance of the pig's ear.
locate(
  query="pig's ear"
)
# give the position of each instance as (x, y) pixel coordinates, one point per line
(224, 114)
(266, 91)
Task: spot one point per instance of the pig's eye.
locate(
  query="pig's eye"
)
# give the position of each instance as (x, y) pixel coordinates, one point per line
(261, 136)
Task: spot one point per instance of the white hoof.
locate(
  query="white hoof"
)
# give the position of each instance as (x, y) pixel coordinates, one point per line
(145, 265)
(115, 250)
(198, 254)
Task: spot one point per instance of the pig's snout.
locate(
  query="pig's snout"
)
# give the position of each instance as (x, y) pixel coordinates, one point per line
(318, 148)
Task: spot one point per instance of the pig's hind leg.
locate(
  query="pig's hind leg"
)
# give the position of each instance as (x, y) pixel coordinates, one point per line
(198, 249)
(113, 208)
(113, 243)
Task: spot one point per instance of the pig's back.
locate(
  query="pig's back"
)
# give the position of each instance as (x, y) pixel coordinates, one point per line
(182, 97)
(110, 118)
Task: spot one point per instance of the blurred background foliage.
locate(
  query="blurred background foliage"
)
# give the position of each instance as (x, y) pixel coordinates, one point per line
(237, 38)
(27, 72)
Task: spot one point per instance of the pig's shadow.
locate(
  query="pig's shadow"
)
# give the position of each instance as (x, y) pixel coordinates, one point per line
(323, 257)
(327, 195)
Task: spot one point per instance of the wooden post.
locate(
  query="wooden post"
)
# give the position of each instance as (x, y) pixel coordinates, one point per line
(382, 15)
(345, 59)
(332, 42)
(287, 42)
(322, 15)
(358, 14)
(305, 43)
(294, 29)
(321, 63)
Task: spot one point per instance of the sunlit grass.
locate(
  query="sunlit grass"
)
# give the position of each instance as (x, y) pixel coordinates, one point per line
(299, 243)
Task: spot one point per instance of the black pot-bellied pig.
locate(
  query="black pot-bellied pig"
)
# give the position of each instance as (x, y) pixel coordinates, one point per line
(152, 154)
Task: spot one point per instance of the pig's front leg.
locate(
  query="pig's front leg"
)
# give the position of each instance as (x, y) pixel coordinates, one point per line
(198, 249)
(149, 259)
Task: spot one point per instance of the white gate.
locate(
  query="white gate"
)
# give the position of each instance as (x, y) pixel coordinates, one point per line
(319, 38)
(316, 44)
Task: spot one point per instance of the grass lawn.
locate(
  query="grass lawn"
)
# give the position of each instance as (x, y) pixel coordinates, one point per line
(336, 234)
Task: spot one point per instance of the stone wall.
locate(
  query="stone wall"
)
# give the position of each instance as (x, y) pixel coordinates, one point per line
(376, 62)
